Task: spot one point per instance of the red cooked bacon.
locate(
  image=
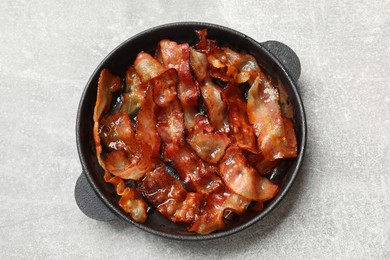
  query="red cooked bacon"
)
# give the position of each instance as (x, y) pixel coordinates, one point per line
(169, 197)
(242, 179)
(131, 201)
(216, 108)
(275, 133)
(262, 165)
(147, 67)
(107, 84)
(209, 146)
(117, 133)
(170, 120)
(193, 171)
(173, 55)
(134, 93)
(213, 216)
(241, 130)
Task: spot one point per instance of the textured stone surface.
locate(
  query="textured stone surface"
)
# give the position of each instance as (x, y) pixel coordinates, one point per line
(338, 208)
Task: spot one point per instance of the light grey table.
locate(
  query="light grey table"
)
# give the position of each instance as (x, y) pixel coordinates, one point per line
(339, 206)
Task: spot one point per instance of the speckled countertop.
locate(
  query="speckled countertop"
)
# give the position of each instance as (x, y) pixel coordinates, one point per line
(338, 208)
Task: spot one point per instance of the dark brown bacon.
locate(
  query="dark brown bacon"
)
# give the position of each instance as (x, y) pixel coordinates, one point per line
(169, 197)
(275, 133)
(242, 179)
(217, 205)
(130, 201)
(262, 165)
(241, 130)
(107, 84)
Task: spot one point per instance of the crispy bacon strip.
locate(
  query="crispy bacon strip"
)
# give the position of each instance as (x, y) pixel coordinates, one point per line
(170, 119)
(173, 55)
(241, 130)
(217, 205)
(107, 84)
(117, 133)
(130, 201)
(227, 64)
(275, 133)
(209, 146)
(134, 93)
(169, 197)
(147, 67)
(193, 171)
(216, 108)
(262, 165)
(241, 178)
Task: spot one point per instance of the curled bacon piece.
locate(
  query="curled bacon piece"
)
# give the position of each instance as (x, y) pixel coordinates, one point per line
(241, 178)
(209, 146)
(117, 133)
(131, 200)
(134, 93)
(173, 55)
(213, 216)
(169, 197)
(216, 108)
(262, 165)
(193, 171)
(147, 67)
(241, 129)
(226, 64)
(275, 133)
(107, 84)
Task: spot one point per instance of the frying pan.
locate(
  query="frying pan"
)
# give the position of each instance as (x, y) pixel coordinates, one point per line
(97, 199)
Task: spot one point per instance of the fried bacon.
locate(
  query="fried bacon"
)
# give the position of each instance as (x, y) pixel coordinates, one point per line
(241, 178)
(134, 93)
(262, 165)
(117, 133)
(147, 67)
(275, 133)
(169, 197)
(176, 56)
(131, 200)
(216, 108)
(213, 216)
(107, 84)
(241, 130)
(222, 157)
(193, 171)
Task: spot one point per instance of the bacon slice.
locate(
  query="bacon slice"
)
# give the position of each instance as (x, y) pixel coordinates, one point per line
(107, 84)
(170, 120)
(193, 171)
(217, 205)
(209, 146)
(173, 55)
(131, 200)
(275, 133)
(169, 197)
(117, 133)
(147, 67)
(226, 64)
(134, 93)
(216, 108)
(241, 178)
(262, 165)
(241, 130)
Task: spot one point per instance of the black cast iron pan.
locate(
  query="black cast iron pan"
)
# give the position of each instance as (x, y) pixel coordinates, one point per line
(97, 199)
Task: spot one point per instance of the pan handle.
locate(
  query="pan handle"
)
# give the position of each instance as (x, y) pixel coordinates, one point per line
(286, 56)
(89, 203)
